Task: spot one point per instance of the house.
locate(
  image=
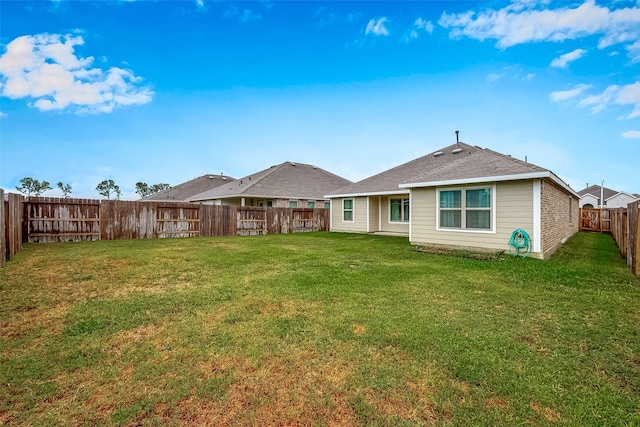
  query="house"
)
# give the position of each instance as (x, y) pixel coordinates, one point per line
(181, 192)
(590, 197)
(288, 184)
(461, 196)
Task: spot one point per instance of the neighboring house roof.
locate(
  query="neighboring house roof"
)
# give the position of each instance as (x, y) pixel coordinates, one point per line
(456, 164)
(387, 182)
(607, 193)
(594, 190)
(181, 192)
(287, 180)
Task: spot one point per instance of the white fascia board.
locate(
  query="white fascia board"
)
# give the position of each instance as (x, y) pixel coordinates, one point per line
(533, 175)
(588, 194)
(246, 196)
(378, 193)
(624, 193)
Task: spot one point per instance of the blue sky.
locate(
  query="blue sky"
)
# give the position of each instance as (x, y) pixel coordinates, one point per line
(165, 91)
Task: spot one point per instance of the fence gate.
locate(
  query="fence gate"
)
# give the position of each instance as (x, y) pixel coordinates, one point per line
(590, 219)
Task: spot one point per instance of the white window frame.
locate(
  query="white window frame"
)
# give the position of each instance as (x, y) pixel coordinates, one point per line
(402, 200)
(353, 209)
(463, 208)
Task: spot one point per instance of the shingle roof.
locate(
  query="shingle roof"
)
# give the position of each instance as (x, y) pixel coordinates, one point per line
(286, 180)
(594, 190)
(181, 192)
(389, 180)
(478, 164)
(456, 163)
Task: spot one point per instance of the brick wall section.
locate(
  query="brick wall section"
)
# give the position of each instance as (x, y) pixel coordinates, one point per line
(560, 216)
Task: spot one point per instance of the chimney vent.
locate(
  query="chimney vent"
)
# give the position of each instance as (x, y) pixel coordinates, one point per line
(457, 137)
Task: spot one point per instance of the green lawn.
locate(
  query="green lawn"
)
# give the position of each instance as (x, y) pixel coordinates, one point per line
(316, 329)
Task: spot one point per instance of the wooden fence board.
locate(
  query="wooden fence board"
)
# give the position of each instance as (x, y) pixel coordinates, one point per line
(14, 218)
(52, 219)
(633, 237)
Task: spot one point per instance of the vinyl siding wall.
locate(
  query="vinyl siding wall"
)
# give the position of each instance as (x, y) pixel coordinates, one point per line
(359, 223)
(374, 214)
(513, 209)
(392, 227)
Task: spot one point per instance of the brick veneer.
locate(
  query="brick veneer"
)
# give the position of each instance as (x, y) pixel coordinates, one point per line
(560, 216)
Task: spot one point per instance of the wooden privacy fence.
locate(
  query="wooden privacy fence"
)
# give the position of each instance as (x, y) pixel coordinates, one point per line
(48, 219)
(625, 228)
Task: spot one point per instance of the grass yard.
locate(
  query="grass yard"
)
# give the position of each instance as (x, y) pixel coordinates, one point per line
(316, 329)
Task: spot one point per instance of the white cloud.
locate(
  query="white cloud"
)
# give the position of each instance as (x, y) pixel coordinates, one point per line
(45, 69)
(494, 76)
(563, 60)
(249, 15)
(563, 95)
(419, 25)
(3, 115)
(631, 134)
(520, 22)
(612, 95)
(378, 27)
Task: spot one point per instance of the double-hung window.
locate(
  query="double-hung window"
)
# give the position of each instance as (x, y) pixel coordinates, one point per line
(347, 209)
(399, 210)
(465, 208)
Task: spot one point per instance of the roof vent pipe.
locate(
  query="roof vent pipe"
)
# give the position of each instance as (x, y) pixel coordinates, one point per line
(457, 140)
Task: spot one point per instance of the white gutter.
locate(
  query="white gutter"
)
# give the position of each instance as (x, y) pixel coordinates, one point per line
(533, 175)
(376, 193)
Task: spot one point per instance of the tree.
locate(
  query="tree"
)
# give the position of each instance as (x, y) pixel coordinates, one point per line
(156, 188)
(65, 188)
(33, 186)
(107, 187)
(144, 190)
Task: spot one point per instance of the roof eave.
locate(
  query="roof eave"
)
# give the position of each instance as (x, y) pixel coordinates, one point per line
(515, 177)
(374, 193)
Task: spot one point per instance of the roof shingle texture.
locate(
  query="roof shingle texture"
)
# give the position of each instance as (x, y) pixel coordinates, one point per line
(479, 164)
(181, 192)
(286, 180)
(455, 162)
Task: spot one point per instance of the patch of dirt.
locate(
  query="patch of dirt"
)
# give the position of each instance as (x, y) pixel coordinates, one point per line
(549, 414)
(358, 329)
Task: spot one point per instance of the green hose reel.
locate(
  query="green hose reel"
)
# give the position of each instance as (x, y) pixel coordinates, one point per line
(520, 243)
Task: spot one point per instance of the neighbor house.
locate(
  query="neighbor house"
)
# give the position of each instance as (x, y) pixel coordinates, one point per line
(590, 197)
(181, 192)
(461, 197)
(289, 184)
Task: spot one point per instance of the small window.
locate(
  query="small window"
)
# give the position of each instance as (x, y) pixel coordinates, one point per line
(399, 210)
(347, 209)
(293, 203)
(269, 203)
(311, 204)
(327, 205)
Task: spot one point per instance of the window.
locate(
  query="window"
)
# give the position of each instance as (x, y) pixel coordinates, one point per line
(327, 205)
(465, 209)
(269, 203)
(311, 204)
(347, 209)
(399, 210)
(293, 203)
